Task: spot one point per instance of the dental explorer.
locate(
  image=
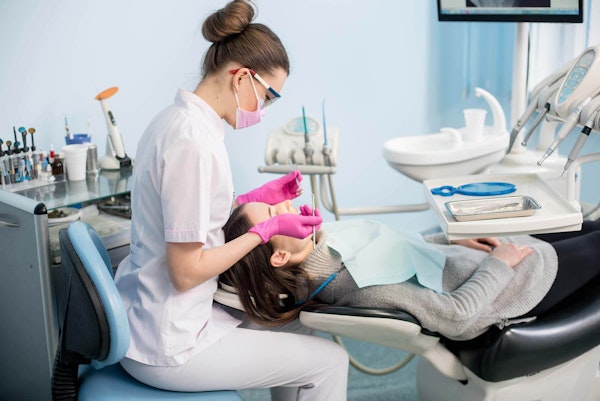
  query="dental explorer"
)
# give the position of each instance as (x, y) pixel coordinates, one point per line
(583, 136)
(566, 128)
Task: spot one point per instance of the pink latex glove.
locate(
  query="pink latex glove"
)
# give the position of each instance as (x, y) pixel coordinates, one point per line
(291, 225)
(306, 210)
(276, 191)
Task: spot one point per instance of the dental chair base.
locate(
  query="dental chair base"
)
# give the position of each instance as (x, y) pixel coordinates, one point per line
(575, 380)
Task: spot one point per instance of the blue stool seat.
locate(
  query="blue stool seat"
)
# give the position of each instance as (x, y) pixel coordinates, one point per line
(113, 383)
(94, 330)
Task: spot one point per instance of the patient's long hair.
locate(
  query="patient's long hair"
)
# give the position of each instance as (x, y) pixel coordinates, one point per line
(259, 284)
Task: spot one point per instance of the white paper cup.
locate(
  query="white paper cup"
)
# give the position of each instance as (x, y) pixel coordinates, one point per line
(474, 123)
(75, 159)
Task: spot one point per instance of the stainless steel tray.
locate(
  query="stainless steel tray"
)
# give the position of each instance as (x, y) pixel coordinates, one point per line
(498, 207)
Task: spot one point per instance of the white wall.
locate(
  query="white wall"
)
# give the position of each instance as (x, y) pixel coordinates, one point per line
(377, 63)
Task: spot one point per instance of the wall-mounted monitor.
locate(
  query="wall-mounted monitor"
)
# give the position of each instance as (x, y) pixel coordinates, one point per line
(511, 10)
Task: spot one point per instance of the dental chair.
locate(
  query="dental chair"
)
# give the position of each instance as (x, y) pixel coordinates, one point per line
(94, 329)
(552, 358)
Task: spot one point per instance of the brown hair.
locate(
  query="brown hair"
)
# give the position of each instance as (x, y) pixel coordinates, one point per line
(236, 39)
(259, 284)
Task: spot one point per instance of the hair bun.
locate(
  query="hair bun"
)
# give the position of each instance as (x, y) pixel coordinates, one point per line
(228, 21)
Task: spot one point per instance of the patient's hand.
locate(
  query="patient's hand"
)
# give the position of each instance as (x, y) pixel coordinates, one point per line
(486, 244)
(511, 254)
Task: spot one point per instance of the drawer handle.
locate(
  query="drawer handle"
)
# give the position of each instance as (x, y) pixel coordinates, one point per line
(8, 224)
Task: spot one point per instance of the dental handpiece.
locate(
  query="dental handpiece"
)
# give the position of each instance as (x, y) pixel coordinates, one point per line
(566, 128)
(535, 124)
(544, 104)
(583, 137)
(521, 122)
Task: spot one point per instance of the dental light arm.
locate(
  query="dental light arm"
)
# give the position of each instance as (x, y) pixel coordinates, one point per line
(566, 128)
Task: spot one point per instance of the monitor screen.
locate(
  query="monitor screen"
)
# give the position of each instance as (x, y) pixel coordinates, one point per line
(511, 10)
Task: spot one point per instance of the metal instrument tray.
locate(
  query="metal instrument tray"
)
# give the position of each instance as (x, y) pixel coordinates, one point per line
(556, 214)
(492, 208)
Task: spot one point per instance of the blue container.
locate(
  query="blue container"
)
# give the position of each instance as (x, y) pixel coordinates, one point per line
(78, 138)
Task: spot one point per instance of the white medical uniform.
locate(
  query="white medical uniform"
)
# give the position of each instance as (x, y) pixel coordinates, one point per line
(183, 192)
(182, 170)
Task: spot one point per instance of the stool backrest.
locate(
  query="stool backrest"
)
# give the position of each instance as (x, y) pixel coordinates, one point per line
(85, 260)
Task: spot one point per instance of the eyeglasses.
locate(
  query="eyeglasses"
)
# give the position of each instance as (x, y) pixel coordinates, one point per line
(271, 96)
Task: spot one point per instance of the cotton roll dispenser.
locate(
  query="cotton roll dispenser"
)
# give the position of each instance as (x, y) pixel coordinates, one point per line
(115, 157)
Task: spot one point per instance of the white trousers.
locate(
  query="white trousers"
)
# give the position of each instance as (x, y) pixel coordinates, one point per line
(245, 359)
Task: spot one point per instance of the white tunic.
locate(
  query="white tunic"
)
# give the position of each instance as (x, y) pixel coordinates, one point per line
(182, 192)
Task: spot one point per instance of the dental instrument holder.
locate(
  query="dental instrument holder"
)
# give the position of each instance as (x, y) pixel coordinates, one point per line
(568, 96)
(115, 157)
(285, 151)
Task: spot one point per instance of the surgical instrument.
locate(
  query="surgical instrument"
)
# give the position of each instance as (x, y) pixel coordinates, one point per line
(564, 131)
(31, 132)
(16, 142)
(23, 132)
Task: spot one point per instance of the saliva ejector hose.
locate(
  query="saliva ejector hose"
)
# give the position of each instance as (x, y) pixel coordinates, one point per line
(570, 123)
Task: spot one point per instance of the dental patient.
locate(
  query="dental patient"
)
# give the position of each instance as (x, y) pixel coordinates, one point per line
(458, 289)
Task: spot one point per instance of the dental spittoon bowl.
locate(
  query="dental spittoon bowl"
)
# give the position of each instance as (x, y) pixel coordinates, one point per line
(447, 153)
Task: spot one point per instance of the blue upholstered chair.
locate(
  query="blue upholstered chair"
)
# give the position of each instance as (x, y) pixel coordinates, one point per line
(94, 329)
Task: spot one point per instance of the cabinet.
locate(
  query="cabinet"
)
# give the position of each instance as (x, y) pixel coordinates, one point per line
(29, 327)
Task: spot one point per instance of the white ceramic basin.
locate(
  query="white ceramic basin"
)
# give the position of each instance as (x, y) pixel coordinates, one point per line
(440, 155)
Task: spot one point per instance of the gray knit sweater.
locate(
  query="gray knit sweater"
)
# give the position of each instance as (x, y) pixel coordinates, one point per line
(479, 290)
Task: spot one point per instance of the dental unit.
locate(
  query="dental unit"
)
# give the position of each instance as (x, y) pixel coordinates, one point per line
(577, 89)
(551, 358)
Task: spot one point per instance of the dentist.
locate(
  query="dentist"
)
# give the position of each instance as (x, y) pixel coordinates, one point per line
(182, 196)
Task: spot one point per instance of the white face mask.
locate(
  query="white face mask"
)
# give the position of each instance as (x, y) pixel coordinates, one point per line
(245, 118)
